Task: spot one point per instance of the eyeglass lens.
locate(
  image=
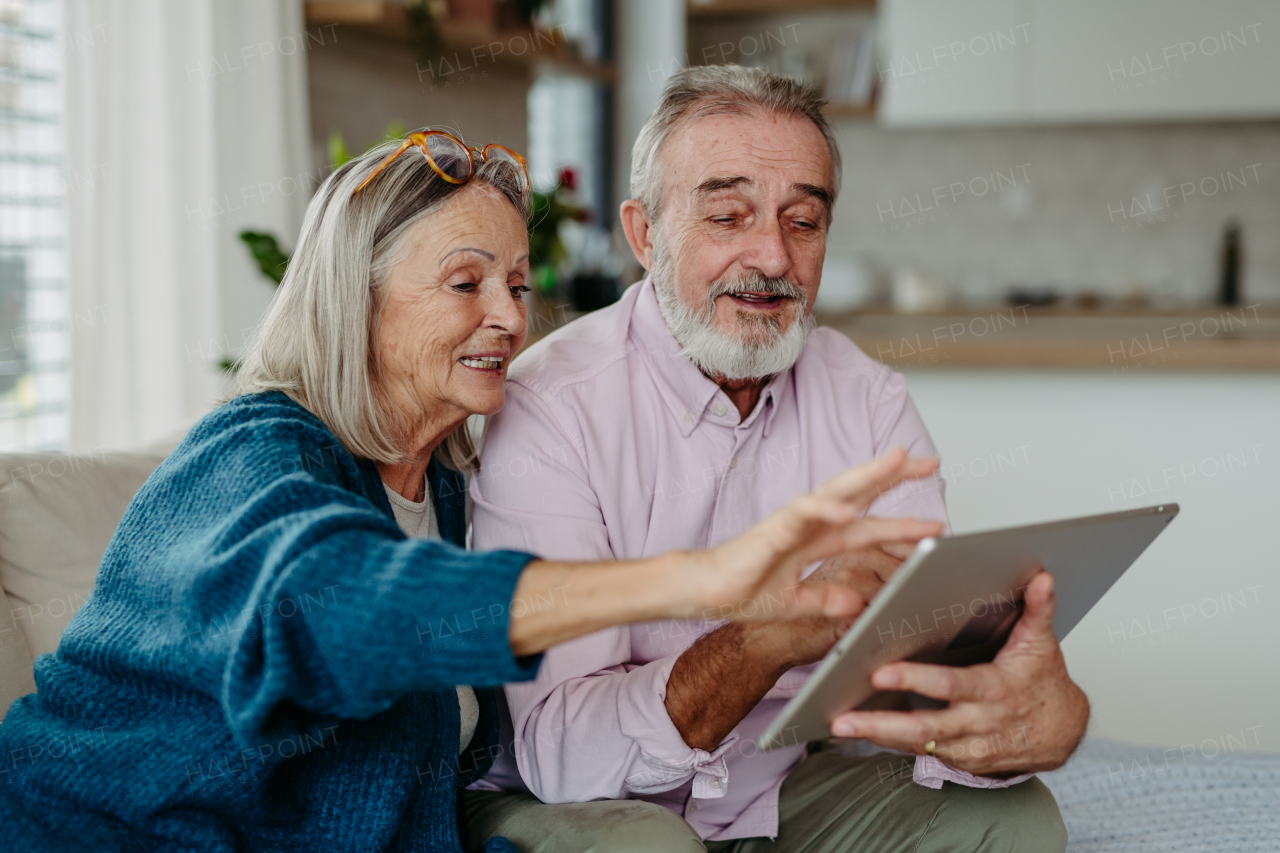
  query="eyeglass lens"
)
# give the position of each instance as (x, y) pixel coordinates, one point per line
(451, 157)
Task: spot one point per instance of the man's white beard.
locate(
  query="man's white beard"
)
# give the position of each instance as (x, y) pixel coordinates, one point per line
(762, 351)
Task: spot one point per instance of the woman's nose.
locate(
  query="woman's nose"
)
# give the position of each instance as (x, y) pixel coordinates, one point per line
(504, 311)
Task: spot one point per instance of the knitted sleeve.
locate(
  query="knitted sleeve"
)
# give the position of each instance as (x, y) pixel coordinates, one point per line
(268, 571)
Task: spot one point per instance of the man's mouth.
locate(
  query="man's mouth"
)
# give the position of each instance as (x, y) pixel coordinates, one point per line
(756, 299)
(489, 363)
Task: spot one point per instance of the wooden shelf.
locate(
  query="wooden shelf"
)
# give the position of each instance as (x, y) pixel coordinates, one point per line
(861, 111)
(718, 8)
(1246, 355)
(345, 11)
(389, 20)
(1118, 340)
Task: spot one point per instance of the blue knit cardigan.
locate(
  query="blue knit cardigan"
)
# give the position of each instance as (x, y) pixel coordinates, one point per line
(266, 663)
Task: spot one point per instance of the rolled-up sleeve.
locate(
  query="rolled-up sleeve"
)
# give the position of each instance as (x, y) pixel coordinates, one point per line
(533, 492)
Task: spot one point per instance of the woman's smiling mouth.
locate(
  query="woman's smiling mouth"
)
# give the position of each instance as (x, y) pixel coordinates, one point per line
(487, 363)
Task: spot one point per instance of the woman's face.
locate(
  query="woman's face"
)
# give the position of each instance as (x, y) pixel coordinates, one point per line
(452, 314)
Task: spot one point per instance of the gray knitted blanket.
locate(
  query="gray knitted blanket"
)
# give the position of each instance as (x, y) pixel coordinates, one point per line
(1117, 798)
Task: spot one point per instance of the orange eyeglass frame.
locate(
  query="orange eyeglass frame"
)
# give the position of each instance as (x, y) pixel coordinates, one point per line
(419, 139)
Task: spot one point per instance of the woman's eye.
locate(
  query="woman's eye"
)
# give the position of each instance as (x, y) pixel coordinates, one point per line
(466, 286)
(518, 290)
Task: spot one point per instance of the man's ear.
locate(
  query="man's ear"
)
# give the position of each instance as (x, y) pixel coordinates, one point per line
(639, 230)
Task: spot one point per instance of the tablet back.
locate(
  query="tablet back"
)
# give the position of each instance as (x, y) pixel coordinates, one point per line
(954, 602)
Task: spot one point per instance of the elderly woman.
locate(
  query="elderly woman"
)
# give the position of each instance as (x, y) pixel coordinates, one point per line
(288, 647)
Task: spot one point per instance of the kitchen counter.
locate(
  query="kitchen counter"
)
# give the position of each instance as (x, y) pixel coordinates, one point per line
(1112, 339)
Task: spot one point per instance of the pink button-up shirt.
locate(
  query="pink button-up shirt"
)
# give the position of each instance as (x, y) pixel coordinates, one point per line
(613, 445)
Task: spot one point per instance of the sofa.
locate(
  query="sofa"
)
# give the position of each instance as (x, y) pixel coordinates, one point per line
(57, 513)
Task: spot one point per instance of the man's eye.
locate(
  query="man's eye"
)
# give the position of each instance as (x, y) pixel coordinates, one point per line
(518, 290)
(466, 286)
(723, 220)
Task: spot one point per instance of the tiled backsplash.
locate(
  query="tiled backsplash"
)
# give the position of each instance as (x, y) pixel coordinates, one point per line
(1112, 210)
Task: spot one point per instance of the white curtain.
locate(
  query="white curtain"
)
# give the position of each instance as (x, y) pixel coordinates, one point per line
(191, 117)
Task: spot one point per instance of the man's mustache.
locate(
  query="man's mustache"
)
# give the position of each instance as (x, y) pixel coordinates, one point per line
(758, 283)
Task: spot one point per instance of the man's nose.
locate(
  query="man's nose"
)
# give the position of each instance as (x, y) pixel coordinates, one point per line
(768, 251)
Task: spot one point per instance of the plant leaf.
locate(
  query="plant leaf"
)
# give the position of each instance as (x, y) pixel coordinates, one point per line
(267, 252)
(339, 153)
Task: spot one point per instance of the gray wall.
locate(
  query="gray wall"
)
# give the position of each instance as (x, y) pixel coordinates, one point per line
(1065, 211)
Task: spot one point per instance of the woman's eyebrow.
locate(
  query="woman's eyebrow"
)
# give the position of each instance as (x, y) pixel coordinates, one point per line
(481, 252)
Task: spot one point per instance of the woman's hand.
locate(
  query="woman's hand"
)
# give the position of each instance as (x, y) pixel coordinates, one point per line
(757, 575)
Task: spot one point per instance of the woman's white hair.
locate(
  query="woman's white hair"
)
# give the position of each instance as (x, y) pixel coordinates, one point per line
(709, 90)
(317, 343)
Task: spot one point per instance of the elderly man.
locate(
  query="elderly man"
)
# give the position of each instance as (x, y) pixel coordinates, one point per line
(700, 402)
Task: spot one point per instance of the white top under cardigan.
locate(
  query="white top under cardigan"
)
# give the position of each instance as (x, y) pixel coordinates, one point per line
(418, 521)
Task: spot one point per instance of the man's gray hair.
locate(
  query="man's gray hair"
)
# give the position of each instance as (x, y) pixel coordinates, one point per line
(318, 341)
(710, 90)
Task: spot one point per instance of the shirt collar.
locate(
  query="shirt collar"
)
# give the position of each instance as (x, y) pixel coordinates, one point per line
(687, 393)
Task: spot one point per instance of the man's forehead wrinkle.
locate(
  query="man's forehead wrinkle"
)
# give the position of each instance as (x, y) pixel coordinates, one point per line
(785, 173)
(718, 147)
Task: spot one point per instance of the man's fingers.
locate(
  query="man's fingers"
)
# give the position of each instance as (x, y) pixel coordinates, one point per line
(947, 683)
(1034, 628)
(901, 550)
(834, 601)
(908, 731)
(827, 599)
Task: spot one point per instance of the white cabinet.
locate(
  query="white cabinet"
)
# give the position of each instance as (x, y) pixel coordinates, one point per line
(1046, 61)
(948, 62)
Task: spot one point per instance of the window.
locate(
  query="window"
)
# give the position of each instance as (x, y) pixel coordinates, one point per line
(570, 111)
(35, 324)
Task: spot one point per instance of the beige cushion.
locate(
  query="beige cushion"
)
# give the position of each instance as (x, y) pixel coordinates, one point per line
(57, 513)
(15, 657)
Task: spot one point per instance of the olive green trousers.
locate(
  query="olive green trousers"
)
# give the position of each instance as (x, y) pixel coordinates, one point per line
(829, 804)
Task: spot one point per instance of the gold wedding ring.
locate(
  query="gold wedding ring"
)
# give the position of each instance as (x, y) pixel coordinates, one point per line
(930, 747)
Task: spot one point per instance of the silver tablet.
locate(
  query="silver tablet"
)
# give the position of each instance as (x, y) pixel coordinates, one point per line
(954, 602)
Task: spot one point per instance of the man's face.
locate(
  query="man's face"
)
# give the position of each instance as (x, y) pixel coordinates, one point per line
(744, 217)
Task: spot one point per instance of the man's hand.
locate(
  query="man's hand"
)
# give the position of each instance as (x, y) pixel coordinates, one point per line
(737, 664)
(805, 640)
(1021, 713)
(865, 570)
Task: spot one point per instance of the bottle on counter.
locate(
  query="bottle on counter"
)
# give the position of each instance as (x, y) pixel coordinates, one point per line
(1229, 265)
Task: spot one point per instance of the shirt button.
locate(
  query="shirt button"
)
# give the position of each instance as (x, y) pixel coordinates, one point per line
(720, 409)
(693, 807)
(715, 783)
(733, 463)
(687, 417)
